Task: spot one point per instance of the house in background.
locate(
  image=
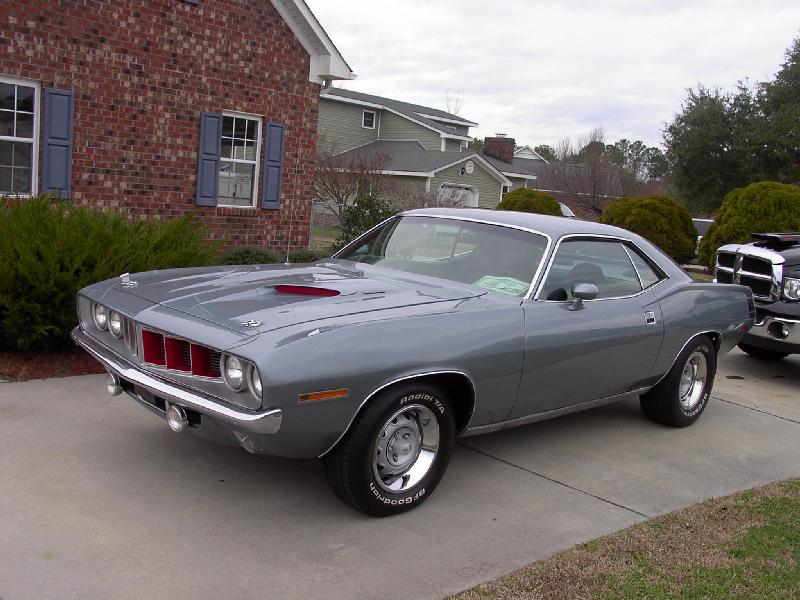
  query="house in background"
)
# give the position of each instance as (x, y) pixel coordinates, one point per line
(168, 106)
(421, 148)
(584, 189)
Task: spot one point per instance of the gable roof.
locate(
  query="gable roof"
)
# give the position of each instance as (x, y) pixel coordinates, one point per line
(412, 159)
(529, 153)
(524, 168)
(422, 115)
(327, 63)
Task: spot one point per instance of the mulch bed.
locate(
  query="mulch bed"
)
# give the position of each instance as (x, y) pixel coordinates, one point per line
(16, 366)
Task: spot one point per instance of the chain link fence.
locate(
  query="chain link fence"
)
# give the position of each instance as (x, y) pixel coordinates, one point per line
(325, 226)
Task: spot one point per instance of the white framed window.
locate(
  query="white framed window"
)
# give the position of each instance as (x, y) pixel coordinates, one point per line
(19, 136)
(368, 119)
(238, 162)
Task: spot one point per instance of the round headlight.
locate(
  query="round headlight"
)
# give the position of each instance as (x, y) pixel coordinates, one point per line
(115, 324)
(791, 288)
(100, 316)
(234, 372)
(254, 383)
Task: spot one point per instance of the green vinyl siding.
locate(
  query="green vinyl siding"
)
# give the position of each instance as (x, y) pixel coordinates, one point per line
(488, 187)
(394, 127)
(452, 145)
(340, 126)
(456, 129)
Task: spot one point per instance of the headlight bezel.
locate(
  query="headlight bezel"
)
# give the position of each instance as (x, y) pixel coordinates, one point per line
(111, 319)
(795, 284)
(254, 383)
(102, 326)
(242, 384)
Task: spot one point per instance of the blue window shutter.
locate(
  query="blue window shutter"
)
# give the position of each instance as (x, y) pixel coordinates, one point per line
(208, 159)
(273, 165)
(59, 106)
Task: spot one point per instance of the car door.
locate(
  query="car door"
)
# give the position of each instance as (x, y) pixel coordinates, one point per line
(578, 352)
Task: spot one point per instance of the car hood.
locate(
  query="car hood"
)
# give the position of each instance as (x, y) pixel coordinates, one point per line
(245, 299)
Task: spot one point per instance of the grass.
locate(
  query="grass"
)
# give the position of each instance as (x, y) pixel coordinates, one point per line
(742, 546)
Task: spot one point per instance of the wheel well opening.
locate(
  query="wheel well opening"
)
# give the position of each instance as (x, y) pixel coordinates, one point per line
(461, 394)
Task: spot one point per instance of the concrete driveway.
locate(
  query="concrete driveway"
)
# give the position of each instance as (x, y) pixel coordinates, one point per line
(98, 499)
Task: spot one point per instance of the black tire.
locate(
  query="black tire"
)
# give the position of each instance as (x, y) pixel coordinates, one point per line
(762, 353)
(663, 404)
(352, 466)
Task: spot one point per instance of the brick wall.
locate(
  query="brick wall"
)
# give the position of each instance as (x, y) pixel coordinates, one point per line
(142, 73)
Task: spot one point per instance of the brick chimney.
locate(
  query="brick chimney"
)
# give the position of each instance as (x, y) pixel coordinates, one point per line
(500, 147)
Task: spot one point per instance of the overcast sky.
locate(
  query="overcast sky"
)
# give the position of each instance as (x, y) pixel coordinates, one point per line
(542, 71)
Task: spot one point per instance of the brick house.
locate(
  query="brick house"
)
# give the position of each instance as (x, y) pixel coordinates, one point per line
(168, 106)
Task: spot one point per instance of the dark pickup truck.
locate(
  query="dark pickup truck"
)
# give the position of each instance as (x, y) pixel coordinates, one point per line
(770, 266)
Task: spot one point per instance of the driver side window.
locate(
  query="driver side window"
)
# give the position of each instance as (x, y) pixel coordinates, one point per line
(605, 264)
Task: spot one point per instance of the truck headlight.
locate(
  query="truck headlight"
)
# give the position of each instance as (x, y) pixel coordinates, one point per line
(791, 288)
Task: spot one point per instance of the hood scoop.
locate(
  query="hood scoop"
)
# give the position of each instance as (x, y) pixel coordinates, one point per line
(305, 290)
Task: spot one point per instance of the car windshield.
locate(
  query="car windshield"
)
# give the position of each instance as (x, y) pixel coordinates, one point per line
(493, 257)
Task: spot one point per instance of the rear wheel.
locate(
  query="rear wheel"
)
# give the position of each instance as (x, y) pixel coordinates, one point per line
(681, 397)
(762, 353)
(395, 452)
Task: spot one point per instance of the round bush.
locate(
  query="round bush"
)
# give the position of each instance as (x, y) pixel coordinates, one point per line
(308, 256)
(531, 201)
(763, 207)
(659, 219)
(250, 255)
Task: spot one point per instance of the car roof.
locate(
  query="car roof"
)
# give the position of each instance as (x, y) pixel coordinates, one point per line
(555, 227)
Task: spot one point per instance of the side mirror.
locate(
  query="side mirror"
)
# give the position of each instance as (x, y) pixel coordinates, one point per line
(581, 292)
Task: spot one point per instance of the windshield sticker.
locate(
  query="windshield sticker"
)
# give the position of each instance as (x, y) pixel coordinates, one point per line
(504, 285)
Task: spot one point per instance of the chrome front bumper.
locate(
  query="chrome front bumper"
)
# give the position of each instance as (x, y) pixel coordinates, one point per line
(767, 331)
(268, 421)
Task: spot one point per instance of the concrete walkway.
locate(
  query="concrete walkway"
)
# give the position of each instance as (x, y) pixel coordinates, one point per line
(98, 499)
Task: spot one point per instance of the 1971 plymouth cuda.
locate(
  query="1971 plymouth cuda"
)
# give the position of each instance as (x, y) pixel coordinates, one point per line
(434, 324)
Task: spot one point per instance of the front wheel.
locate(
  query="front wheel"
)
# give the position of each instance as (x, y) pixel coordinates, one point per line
(395, 452)
(762, 353)
(681, 397)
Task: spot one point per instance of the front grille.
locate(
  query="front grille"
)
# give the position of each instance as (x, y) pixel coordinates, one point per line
(759, 273)
(180, 355)
(131, 340)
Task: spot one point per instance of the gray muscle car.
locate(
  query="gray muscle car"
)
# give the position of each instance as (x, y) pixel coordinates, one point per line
(434, 324)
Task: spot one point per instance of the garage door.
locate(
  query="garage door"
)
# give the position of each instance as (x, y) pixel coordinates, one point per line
(457, 195)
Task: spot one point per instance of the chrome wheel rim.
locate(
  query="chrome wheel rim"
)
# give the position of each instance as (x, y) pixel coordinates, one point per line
(405, 448)
(693, 381)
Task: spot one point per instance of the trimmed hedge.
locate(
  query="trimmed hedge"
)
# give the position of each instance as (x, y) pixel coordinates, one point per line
(659, 219)
(763, 207)
(49, 249)
(530, 201)
(251, 255)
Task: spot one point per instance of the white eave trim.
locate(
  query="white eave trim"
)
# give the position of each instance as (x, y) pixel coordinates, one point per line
(493, 171)
(327, 64)
(445, 120)
(519, 175)
(335, 98)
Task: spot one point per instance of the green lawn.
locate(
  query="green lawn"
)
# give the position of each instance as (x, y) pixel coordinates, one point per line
(742, 546)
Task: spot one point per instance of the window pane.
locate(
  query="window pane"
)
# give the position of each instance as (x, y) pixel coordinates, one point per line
(22, 154)
(252, 130)
(236, 184)
(5, 180)
(227, 148)
(6, 150)
(22, 181)
(7, 96)
(24, 125)
(25, 98)
(227, 126)
(239, 128)
(243, 150)
(646, 272)
(6, 122)
(604, 264)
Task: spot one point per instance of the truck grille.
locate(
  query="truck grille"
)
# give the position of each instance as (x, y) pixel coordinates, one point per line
(758, 269)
